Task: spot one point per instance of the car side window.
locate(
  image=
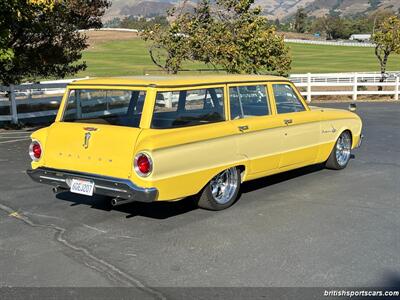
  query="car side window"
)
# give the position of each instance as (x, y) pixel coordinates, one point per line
(286, 99)
(248, 101)
(188, 108)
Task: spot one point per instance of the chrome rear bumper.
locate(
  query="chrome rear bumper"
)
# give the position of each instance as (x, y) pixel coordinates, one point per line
(107, 186)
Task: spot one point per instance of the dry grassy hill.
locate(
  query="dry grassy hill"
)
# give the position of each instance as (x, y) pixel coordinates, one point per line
(272, 8)
(351, 7)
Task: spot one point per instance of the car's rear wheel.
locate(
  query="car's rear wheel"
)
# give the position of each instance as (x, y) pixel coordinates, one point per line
(341, 153)
(222, 191)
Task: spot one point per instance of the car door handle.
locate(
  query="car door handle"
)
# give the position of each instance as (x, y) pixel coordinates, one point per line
(288, 121)
(243, 128)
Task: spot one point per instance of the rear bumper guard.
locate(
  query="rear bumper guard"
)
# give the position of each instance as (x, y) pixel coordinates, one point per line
(107, 186)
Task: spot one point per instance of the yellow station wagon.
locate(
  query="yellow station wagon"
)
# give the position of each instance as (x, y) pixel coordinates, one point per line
(166, 138)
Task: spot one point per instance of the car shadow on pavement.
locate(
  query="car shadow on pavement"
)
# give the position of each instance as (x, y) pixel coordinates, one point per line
(157, 210)
(278, 178)
(165, 210)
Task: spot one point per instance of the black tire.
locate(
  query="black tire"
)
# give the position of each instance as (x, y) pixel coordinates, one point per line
(334, 161)
(210, 201)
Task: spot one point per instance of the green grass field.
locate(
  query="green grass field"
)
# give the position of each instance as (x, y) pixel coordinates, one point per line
(328, 59)
(130, 57)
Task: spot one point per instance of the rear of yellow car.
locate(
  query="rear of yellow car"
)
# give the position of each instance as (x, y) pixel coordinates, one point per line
(90, 149)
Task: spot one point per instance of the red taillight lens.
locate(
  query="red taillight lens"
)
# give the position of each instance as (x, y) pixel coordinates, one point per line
(143, 164)
(35, 150)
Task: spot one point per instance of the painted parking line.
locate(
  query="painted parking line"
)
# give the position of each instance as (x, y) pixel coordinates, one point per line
(13, 137)
(15, 132)
(13, 141)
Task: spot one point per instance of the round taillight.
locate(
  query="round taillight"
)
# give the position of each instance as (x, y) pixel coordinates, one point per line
(143, 164)
(35, 150)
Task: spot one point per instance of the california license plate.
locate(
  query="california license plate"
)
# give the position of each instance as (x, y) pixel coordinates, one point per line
(83, 187)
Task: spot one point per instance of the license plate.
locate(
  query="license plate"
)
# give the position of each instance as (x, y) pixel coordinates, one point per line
(83, 187)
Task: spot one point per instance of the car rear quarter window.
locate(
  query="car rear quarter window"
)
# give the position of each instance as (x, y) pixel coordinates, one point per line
(286, 99)
(188, 108)
(113, 107)
(248, 101)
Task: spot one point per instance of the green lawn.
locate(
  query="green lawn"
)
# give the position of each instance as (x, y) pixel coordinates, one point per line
(332, 59)
(122, 58)
(130, 57)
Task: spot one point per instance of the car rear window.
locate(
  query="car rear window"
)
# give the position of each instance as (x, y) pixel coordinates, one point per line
(188, 108)
(113, 107)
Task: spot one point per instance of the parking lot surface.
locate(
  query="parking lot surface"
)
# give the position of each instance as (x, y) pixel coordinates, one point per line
(309, 227)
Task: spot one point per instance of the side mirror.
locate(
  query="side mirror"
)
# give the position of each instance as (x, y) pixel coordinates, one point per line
(353, 107)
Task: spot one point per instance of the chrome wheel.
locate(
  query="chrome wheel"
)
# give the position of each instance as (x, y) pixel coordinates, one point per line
(343, 149)
(224, 186)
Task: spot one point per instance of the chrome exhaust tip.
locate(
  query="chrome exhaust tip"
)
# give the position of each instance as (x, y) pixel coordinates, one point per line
(118, 201)
(58, 189)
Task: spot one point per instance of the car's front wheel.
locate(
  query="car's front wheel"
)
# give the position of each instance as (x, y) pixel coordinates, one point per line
(222, 191)
(341, 153)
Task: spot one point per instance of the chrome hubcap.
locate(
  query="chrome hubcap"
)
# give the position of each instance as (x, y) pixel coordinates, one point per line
(224, 185)
(343, 149)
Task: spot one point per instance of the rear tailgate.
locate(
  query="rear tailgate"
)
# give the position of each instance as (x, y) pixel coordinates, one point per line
(91, 148)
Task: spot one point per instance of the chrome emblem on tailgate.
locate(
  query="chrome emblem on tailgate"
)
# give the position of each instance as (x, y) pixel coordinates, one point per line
(86, 140)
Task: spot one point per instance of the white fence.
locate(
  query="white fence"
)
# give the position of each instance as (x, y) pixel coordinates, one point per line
(29, 101)
(330, 43)
(111, 29)
(347, 84)
(25, 101)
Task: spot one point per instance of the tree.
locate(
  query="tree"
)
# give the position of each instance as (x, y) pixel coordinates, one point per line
(387, 41)
(40, 38)
(141, 23)
(277, 23)
(300, 20)
(168, 48)
(226, 33)
(334, 27)
(378, 17)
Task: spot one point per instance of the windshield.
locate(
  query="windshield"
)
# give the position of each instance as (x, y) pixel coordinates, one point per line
(113, 107)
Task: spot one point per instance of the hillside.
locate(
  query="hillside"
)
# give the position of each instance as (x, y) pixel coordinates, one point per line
(120, 8)
(146, 8)
(272, 8)
(284, 8)
(351, 7)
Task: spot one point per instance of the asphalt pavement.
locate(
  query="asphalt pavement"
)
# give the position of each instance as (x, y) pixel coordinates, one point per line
(305, 228)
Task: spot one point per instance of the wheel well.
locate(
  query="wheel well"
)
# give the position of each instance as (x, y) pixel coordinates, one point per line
(241, 168)
(351, 135)
(337, 137)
